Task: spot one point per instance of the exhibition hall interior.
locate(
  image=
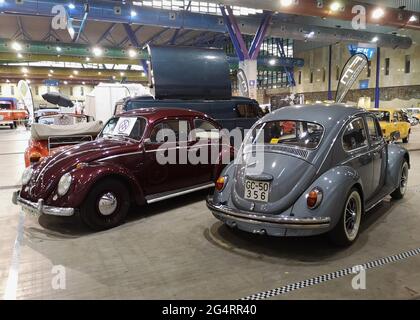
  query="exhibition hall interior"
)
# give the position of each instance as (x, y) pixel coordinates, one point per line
(209, 150)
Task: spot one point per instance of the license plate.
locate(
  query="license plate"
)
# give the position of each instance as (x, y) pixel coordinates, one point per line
(257, 190)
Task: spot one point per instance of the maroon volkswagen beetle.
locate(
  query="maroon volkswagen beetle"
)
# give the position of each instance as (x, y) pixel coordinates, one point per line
(100, 179)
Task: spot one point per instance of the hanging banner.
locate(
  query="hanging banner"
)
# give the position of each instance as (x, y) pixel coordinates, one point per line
(243, 83)
(351, 71)
(26, 95)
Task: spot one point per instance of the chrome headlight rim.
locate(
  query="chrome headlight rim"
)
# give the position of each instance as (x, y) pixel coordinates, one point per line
(27, 175)
(64, 184)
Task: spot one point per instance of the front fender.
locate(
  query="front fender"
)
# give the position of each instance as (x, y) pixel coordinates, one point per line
(85, 178)
(335, 184)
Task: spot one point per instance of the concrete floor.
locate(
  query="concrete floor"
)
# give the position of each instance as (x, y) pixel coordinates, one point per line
(177, 250)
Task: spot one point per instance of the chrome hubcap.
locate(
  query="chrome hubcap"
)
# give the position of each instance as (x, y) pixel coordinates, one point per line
(107, 204)
(404, 178)
(352, 215)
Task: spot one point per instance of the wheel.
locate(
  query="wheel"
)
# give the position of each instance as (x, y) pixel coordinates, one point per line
(347, 229)
(402, 188)
(106, 205)
(405, 140)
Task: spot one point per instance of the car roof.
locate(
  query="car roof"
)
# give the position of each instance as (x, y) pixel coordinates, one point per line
(327, 115)
(153, 114)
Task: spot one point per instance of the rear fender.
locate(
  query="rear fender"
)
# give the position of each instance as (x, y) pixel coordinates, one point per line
(335, 185)
(396, 156)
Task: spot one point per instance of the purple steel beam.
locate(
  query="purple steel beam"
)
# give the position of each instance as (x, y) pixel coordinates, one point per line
(260, 35)
(238, 32)
(234, 33)
(131, 35)
(106, 33)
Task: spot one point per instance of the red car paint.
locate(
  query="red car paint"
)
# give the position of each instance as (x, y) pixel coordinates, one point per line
(127, 160)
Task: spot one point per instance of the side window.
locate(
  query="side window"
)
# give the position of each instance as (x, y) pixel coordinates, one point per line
(247, 111)
(205, 129)
(163, 131)
(374, 132)
(354, 135)
(395, 116)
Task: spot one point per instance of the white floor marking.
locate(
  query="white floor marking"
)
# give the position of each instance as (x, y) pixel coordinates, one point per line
(12, 280)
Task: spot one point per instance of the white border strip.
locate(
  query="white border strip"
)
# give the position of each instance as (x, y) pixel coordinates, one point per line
(330, 276)
(12, 279)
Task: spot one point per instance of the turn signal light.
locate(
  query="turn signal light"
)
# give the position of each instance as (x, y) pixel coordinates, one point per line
(220, 183)
(34, 157)
(314, 198)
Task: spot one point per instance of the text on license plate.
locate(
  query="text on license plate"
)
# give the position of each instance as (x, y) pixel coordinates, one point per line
(257, 190)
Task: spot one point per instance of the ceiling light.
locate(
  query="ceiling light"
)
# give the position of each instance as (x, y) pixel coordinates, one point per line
(97, 51)
(58, 49)
(19, 55)
(71, 6)
(143, 74)
(16, 46)
(7, 81)
(132, 53)
(413, 18)
(113, 77)
(24, 70)
(286, 3)
(122, 74)
(65, 82)
(335, 6)
(83, 82)
(76, 72)
(375, 39)
(25, 75)
(99, 73)
(133, 13)
(378, 13)
(272, 62)
(87, 59)
(49, 75)
(71, 76)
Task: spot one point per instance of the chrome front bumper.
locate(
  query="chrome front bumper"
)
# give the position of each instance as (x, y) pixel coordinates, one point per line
(39, 207)
(222, 211)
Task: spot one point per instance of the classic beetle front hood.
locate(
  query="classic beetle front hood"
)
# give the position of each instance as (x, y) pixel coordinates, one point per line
(288, 176)
(49, 171)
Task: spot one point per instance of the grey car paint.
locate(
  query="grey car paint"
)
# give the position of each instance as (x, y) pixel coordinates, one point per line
(329, 168)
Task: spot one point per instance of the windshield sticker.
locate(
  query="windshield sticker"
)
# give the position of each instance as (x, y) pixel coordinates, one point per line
(124, 126)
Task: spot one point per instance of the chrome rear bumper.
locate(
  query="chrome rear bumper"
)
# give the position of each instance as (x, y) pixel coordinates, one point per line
(222, 211)
(39, 207)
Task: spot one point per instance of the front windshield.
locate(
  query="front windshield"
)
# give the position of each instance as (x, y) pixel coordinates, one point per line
(5, 105)
(129, 127)
(381, 115)
(62, 119)
(300, 134)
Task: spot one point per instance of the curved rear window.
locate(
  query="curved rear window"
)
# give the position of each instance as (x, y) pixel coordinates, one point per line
(301, 134)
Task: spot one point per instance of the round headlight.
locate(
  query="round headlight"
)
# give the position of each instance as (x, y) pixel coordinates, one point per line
(64, 184)
(26, 175)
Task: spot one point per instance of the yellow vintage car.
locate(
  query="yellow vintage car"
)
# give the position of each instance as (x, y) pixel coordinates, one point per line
(393, 124)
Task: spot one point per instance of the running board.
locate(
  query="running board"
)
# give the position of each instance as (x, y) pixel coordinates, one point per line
(179, 192)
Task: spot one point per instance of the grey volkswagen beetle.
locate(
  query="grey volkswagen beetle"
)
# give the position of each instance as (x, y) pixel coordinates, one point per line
(310, 169)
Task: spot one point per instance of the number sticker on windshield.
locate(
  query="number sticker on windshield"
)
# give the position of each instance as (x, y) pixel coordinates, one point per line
(124, 126)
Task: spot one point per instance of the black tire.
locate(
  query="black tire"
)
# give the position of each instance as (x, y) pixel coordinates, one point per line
(405, 140)
(402, 187)
(106, 190)
(340, 235)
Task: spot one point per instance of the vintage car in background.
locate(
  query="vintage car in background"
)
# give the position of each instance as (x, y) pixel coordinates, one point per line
(54, 131)
(321, 179)
(10, 114)
(413, 112)
(99, 179)
(393, 124)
